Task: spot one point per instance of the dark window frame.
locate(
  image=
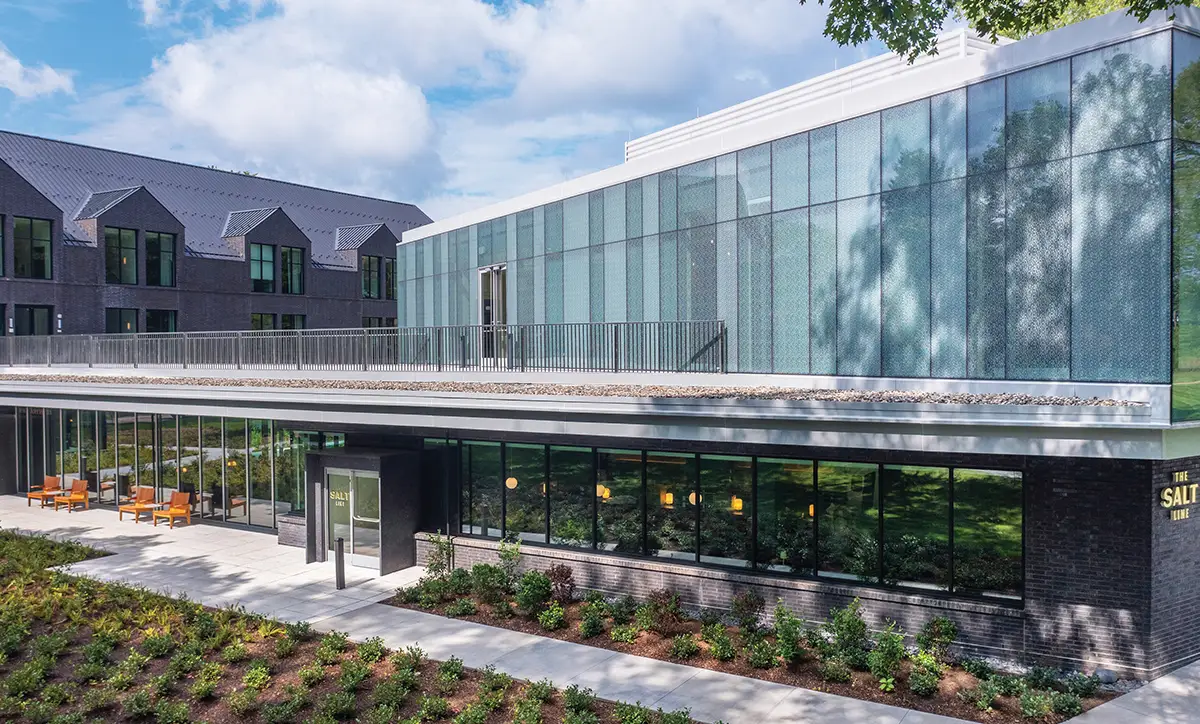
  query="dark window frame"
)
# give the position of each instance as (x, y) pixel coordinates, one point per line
(389, 279)
(291, 267)
(257, 319)
(288, 321)
(260, 261)
(160, 257)
(171, 316)
(117, 317)
(27, 246)
(370, 276)
(118, 268)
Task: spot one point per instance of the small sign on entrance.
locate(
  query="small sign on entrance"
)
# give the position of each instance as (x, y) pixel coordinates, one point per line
(1180, 496)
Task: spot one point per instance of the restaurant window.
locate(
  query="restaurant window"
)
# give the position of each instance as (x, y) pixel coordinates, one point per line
(370, 277)
(161, 320)
(260, 320)
(291, 321)
(120, 321)
(120, 256)
(31, 248)
(160, 259)
(291, 259)
(262, 268)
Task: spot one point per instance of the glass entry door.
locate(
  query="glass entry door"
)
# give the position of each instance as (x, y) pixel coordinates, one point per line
(354, 514)
(493, 310)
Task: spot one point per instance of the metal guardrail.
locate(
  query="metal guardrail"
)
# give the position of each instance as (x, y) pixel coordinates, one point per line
(602, 347)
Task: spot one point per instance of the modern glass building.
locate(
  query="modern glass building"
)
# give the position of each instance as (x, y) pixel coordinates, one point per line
(921, 335)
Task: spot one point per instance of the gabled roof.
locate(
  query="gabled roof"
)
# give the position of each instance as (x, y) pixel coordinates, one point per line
(201, 198)
(102, 201)
(240, 223)
(352, 237)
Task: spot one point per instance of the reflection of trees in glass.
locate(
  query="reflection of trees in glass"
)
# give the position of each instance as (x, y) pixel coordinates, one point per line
(482, 477)
(525, 492)
(848, 510)
(725, 510)
(619, 491)
(670, 519)
(1186, 338)
(916, 525)
(785, 524)
(571, 492)
(988, 518)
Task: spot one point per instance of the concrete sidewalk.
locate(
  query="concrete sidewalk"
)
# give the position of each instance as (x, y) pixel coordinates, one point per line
(709, 695)
(1170, 699)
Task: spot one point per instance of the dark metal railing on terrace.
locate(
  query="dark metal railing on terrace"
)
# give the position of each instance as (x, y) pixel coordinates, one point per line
(603, 347)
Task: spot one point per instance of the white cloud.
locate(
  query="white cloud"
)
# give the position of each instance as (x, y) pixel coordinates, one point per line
(450, 103)
(29, 82)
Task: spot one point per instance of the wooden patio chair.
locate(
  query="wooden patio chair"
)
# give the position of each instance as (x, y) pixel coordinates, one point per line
(142, 502)
(44, 494)
(179, 507)
(78, 494)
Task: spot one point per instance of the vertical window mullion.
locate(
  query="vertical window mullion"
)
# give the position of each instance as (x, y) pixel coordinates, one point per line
(950, 581)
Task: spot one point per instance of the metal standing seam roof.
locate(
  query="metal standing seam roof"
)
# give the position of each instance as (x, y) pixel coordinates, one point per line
(102, 201)
(240, 223)
(70, 175)
(352, 237)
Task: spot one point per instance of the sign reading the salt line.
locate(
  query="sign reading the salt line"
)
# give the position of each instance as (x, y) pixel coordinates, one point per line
(1179, 497)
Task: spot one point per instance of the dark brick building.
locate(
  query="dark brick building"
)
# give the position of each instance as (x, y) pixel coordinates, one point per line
(97, 240)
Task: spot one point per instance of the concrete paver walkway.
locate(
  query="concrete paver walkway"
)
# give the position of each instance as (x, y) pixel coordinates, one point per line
(1170, 699)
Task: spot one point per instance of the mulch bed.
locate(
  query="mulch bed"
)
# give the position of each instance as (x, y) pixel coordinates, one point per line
(803, 674)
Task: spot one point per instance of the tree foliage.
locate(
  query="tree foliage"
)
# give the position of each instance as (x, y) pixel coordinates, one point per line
(910, 27)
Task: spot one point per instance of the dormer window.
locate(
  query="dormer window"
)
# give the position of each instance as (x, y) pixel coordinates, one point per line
(120, 256)
(262, 268)
(291, 262)
(160, 259)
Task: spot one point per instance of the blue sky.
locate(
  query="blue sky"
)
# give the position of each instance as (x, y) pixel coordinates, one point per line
(447, 103)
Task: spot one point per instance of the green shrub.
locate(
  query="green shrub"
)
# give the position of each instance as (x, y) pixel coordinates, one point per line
(460, 582)
(38, 711)
(492, 680)
(632, 713)
(643, 617)
(85, 672)
(451, 668)
(789, 631)
(577, 698)
(433, 708)
(1081, 685)
(1066, 704)
(923, 682)
(488, 582)
(288, 710)
(138, 705)
(234, 653)
(372, 650)
(682, 716)
(284, 647)
(1042, 677)
(461, 607)
(747, 608)
(340, 705)
(596, 598)
(120, 680)
(242, 702)
(161, 685)
(99, 649)
(1010, 685)
(761, 654)
(887, 684)
(257, 676)
(937, 635)
(533, 593)
(410, 658)
(580, 717)
(720, 645)
(393, 691)
(622, 610)
(27, 679)
(51, 645)
(591, 620)
(353, 674)
(503, 610)
(983, 696)
(56, 694)
(172, 712)
(96, 699)
(182, 663)
(847, 632)
(884, 660)
(474, 713)
(158, 646)
(553, 618)
(624, 634)
(527, 711)
(665, 612)
(684, 647)
(312, 675)
(562, 582)
(978, 668)
(541, 690)
(834, 670)
(1035, 705)
(205, 684)
(299, 631)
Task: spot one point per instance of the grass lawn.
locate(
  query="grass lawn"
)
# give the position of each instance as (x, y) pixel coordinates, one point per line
(77, 650)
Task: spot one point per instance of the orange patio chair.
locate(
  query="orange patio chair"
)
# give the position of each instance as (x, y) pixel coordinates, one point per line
(78, 494)
(142, 502)
(44, 494)
(179, 507)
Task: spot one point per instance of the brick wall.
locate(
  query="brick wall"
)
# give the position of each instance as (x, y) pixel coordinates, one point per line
(1175, 576)
(292, 530)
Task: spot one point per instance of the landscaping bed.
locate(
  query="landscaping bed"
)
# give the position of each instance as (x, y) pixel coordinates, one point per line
(839, 656)
(74, 650)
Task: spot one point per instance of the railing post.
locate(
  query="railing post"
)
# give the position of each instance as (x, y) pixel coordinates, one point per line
(364, 349)
(299, 349)
(724, 352)
(237, 348)
(135, 350)
(462, 342)
(91, 350)
(439, 350)
(184, 339)
(616, 347)
(50, 350)
(521, 341)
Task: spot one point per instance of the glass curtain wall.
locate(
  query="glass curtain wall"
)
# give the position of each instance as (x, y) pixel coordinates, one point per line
(944, 529)
(1015, 229)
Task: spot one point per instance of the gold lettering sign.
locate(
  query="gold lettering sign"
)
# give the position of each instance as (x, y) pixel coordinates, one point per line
(1177, 497)
(340, 498)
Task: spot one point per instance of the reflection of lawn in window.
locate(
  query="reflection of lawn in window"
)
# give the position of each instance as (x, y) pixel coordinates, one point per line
(849, 518)
(988, 514)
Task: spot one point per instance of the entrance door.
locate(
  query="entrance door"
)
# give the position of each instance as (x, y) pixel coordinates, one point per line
(354, 515)
(493, 311)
